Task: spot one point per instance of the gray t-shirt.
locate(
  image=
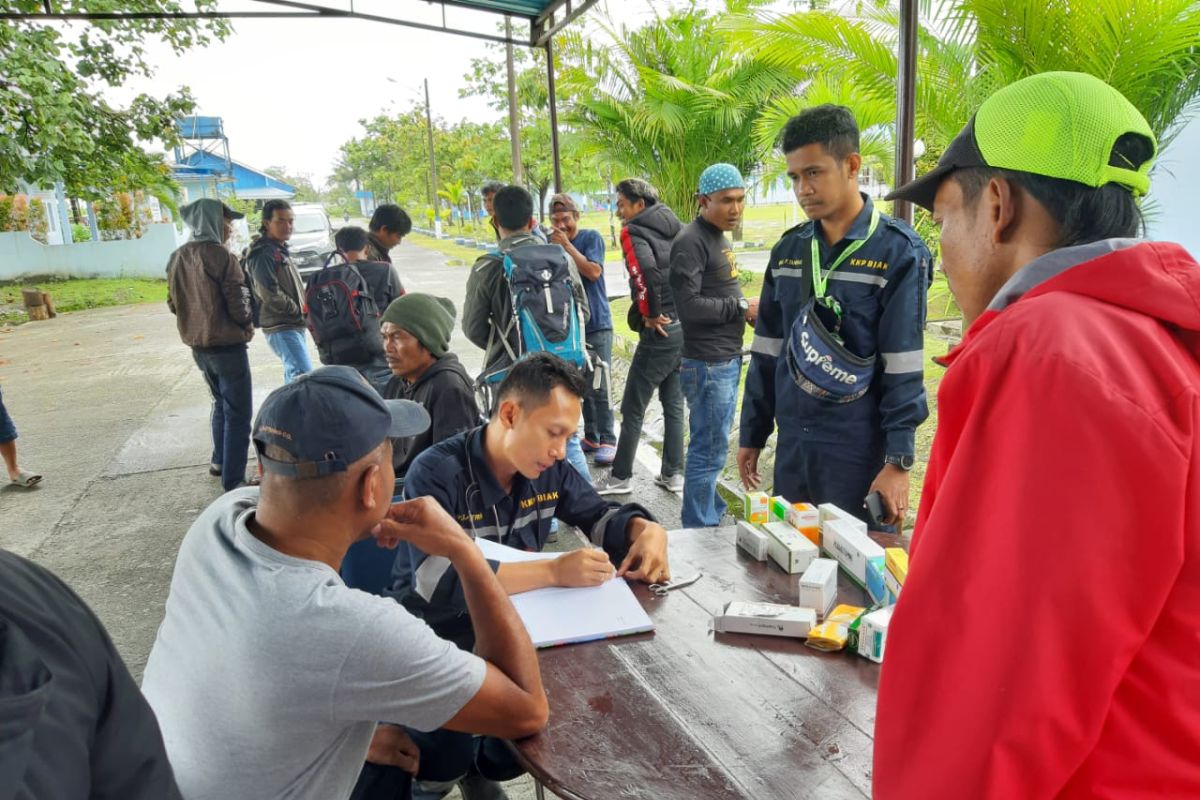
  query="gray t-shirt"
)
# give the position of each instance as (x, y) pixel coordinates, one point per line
(268, 672)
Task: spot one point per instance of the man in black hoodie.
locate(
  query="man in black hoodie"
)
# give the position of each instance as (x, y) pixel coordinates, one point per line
(649, 228)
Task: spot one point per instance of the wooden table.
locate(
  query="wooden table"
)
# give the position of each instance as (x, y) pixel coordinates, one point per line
(685, 713)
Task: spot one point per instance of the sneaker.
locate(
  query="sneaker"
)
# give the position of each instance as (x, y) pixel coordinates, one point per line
(477, 787)
(588, 445)
(215, 470)
(605, 454)
(613, 485)
(672, 483)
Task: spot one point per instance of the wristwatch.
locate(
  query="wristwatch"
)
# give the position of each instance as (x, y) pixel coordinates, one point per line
(903, 462)
(743, 305)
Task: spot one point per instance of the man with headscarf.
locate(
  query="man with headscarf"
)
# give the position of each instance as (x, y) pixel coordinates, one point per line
(207, 293)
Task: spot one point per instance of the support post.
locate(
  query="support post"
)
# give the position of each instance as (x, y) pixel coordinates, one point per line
(553, 116)
(514, 113)
(906, 101)
(433, 189)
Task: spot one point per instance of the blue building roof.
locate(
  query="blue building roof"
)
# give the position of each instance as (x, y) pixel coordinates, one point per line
(247, 182)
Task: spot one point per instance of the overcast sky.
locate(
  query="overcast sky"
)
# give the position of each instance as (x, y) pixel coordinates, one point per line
(291, 91)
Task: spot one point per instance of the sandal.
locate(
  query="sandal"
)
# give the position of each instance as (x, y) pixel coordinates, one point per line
(26, 479)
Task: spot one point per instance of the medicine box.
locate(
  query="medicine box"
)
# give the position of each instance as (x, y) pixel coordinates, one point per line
(818, 585)
(850, 545)
(757, 506)
(752, 540)
(771, 619)
(829, 513)
(892, 585)
(778, 510)
(806, 519)
(789, 548)
(875, 585)
(872, 633)
(897, 563)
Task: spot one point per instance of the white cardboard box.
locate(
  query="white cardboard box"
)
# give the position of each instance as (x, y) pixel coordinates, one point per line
(771, 619)
(789, 548)
(818, 585)
(752, 540)
(872, 633)
(851, 546)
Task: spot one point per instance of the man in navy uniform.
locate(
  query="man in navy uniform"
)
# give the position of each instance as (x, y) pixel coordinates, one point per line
(837, 359)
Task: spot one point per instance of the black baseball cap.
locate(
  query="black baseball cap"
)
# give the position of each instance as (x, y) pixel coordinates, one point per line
(1058, 124)
(329, 418)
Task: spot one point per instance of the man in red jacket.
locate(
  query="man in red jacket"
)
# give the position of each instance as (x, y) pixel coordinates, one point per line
(1047, 640)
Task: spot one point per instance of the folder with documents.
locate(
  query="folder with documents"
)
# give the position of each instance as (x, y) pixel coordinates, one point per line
(562, 615)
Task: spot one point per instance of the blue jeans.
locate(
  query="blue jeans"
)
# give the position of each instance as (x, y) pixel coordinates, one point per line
(8, 429)
(292, 349)
(711, 392)
(227, 373)
(597, 410)
(576, 458)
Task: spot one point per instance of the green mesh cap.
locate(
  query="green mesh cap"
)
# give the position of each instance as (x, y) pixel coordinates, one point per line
(1058, 124)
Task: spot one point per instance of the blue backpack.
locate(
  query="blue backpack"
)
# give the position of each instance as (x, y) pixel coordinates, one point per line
(545, 314)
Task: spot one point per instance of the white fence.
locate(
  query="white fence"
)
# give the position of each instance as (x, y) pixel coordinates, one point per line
(21, 255)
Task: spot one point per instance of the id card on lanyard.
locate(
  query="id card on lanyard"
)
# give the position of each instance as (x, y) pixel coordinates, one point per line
(820, 279)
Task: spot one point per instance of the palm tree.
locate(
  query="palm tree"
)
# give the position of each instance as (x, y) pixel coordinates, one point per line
(456, 196)
(664, 101)
(1147, 49)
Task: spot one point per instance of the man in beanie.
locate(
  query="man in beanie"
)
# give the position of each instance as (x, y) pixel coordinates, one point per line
(208, 294)
(1045, 642)
(416, 339)
(714, 313)
(268, 674)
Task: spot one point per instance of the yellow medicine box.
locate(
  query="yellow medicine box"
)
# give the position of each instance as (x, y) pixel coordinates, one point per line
(757, 506)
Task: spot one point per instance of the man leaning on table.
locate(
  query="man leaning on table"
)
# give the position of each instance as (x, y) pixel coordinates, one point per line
(507, 481)
(268, 674)
(1047, 640)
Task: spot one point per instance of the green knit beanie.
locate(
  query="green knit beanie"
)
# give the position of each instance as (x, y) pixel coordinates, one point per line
(429, 319)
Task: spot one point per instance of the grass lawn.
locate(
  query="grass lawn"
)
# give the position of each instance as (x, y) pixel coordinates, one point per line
(78, 294)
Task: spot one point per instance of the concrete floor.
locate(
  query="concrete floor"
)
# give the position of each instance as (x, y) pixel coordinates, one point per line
(113, 412)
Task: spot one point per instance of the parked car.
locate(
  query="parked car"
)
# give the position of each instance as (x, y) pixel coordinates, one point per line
(312, 238)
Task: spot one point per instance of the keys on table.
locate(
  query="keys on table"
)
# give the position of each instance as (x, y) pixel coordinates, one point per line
(661, 589)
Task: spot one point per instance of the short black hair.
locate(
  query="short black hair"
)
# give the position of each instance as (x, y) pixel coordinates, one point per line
(531, 380)
(513, 206)
(350, 239)
(634, 189)
(392, 217)
(268, 211)
(491, 187)
(832, 127)
(1084, 213)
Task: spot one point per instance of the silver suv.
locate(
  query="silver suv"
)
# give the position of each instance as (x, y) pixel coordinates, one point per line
(312, 237)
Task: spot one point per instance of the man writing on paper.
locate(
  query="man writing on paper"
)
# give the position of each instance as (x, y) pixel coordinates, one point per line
(1045, 644)
(506, 481)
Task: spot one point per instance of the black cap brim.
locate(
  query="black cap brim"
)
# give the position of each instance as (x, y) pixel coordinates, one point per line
(961, 153)
(230, 213)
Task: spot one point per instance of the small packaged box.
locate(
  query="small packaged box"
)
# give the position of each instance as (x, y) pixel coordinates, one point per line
(850, 545)
(872, 633)
(806, 519)
(828, 513)
(771, 619)
(818, 585)
(757, 506)
(752, 540)
(833, 633)
(897, 563)
(875, 584)
(789, 548)
(892, 586)
(779, 508)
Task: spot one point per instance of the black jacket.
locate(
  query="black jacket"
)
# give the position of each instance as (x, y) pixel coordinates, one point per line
(447, 393)
(276, 285)
(73, 724)
(646, 244)
(704, 280)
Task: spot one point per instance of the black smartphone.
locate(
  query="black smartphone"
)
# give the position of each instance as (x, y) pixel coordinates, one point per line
(876, 510)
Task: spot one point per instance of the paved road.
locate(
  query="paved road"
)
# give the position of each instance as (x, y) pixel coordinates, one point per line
(112, 410)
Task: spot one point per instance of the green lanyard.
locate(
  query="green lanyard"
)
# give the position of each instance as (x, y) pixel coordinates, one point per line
(821, 280)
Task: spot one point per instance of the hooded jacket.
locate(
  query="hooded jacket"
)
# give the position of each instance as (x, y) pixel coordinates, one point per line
(277, 285)
(206, 288)
(447, 393)
(1046, 640)
(646, 244)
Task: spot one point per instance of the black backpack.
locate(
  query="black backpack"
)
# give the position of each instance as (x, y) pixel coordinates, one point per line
(342, 316)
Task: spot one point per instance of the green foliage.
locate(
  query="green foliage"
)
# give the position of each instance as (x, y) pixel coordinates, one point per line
(54, 124)
(80, 233)
(81, 294)
(306, 192)
(664, 101)
(21, 213)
